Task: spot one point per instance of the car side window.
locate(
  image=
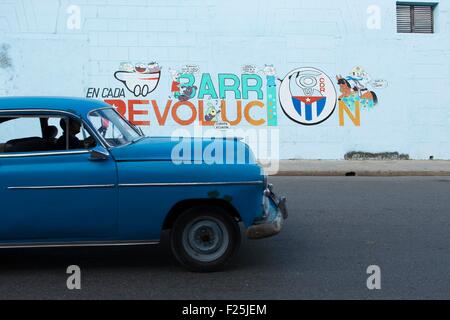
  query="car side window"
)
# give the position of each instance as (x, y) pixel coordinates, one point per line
(71, 134)
(42, 133)
(20, 134)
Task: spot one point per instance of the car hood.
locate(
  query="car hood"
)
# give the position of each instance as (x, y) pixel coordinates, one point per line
(210, 150)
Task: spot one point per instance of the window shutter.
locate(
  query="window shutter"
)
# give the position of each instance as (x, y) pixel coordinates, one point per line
(423, 19)
(404, 19)
(415, 18)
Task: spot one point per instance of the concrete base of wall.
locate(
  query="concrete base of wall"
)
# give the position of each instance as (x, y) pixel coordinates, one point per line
(363, 168)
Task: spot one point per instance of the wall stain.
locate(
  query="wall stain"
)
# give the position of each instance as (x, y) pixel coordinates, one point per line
(5, 59)
(361, 155)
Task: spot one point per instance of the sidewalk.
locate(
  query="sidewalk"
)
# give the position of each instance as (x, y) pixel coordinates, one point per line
(364, 168)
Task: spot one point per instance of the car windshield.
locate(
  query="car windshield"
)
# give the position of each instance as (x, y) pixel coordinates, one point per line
(113, 127)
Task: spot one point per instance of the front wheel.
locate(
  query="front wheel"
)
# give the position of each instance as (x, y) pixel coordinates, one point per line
(203, 239)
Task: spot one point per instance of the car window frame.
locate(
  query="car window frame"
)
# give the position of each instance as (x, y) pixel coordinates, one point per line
(109, 146)
(17, 113)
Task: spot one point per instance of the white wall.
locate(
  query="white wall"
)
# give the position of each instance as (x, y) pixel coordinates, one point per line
(40, 55)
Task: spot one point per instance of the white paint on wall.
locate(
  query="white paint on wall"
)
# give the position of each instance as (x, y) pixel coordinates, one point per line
(413, 114)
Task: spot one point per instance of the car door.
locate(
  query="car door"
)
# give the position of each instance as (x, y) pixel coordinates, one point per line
(53, 195)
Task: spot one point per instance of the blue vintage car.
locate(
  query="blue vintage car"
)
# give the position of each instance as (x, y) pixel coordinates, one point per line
(74, 172)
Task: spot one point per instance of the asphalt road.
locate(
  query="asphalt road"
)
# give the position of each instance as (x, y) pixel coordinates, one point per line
(338, 226)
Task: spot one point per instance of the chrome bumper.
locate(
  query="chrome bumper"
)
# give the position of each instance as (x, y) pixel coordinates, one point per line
(275, 212)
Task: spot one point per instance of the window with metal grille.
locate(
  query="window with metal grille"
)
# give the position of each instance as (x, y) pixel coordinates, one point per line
(415, 18)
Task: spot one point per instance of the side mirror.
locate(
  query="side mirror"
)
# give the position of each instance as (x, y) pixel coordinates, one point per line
(99, 153)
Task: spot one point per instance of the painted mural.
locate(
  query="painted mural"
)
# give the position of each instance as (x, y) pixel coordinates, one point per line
(357, 92)
(212, 112)
(307, 95)
(352, 96)
(140, 79)
(271, 81)
(183, 91)
(224, 99)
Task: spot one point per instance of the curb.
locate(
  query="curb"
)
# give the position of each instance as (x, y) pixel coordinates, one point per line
(362, 173)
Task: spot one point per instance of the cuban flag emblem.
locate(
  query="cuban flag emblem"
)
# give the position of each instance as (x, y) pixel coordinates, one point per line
(309, 107)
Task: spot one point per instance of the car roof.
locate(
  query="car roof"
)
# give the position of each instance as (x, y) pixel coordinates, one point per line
(80, 106)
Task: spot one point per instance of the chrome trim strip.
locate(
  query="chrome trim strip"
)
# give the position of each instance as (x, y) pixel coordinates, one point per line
(78, 244)
(102, 108)
(86, 186)
(40, 154)
(175, 184)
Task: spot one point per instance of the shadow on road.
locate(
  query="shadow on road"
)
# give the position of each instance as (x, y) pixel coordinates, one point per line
(252, 254)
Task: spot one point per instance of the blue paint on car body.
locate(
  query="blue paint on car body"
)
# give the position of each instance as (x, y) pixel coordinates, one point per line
(66, 197)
